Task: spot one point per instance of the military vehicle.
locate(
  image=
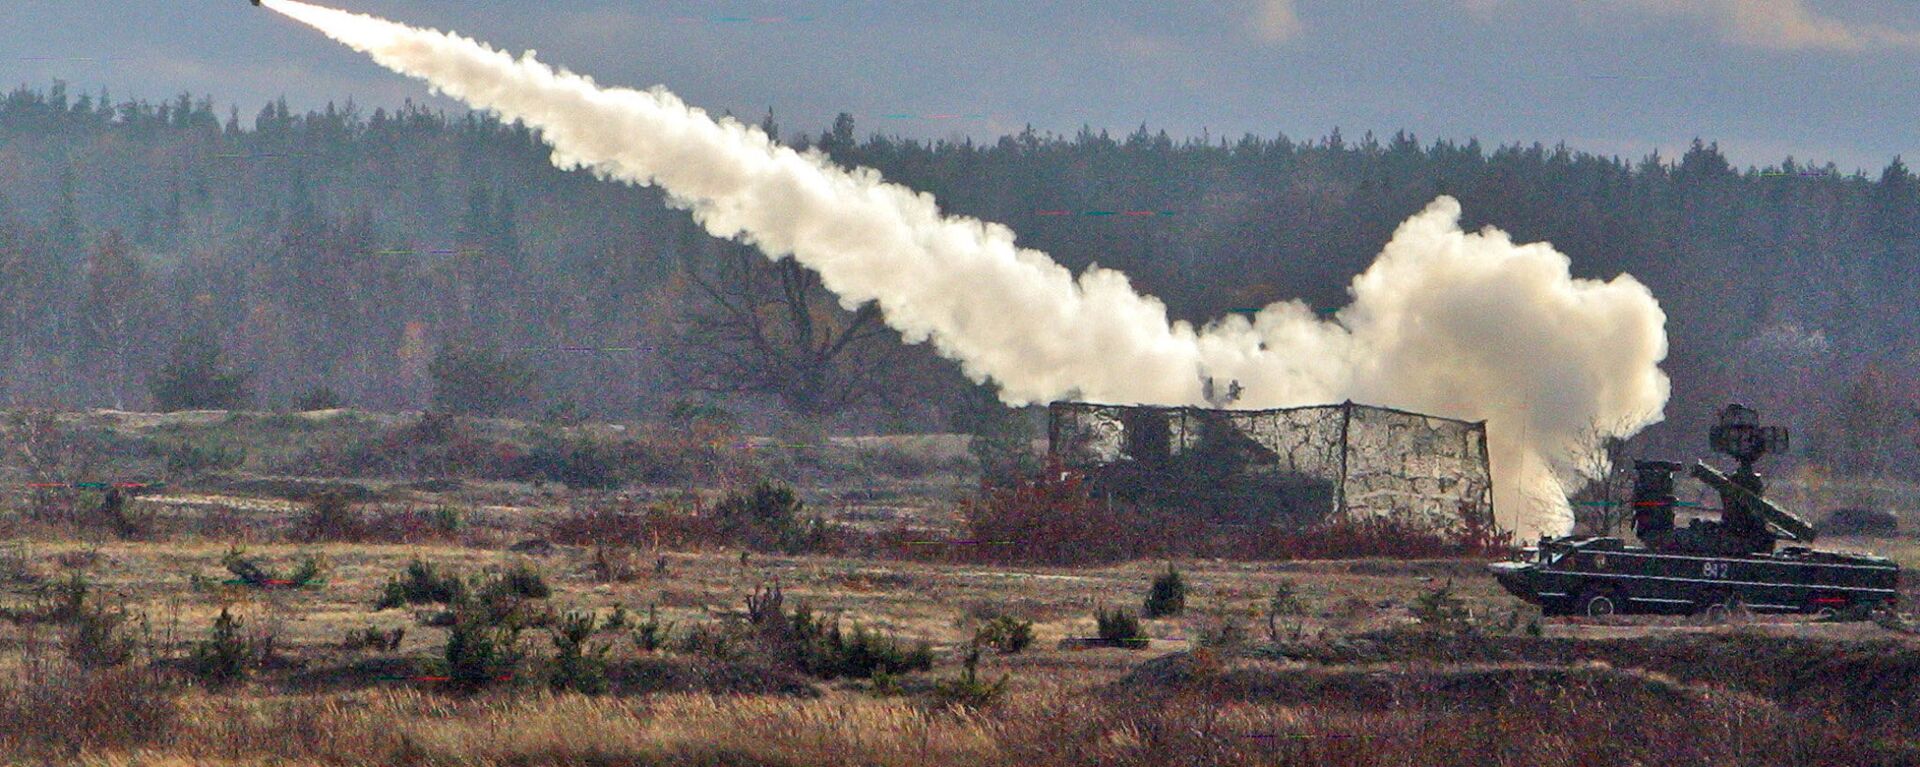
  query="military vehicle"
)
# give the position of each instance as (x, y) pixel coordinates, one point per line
(1712, 567)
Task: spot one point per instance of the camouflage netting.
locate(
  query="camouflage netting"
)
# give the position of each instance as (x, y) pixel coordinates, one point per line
(1295, 466)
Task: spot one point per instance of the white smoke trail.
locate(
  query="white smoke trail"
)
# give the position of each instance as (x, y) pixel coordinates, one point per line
(1464, 324)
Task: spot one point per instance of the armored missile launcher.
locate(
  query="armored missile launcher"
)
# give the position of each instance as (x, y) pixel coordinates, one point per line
(1707, 566)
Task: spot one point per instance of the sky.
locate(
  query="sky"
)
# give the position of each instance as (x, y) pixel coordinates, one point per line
(1766, 79)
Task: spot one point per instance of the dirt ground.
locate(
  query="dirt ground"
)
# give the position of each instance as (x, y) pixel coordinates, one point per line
(1354, 678)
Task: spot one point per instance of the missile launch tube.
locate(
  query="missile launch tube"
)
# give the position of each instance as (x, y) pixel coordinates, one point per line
(1782, 521)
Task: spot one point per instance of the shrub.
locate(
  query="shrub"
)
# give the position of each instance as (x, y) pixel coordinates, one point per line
(1005, 633)
(504, 599)
(479, 653)
(78, 558)
(411, 524)
(599, 525)
(223, 658)
(57, 602)
(1441, 609)
(1479, 537)
(768, 519)
(437, 445)
(861, 654)
(436, 428)
(252, 574)
(765, 606)
(319, 398)
(1365, 537)
(446, 520)
(420, 584)
(1285, 604)
(493, 601)
(245, 569)
(675, 524)
(113, 514)
(1168, 595)
(703, 453)
(1052, 520)
(967, 690)
(1119, 628)
(580, 464)
(716, 640)
(329, 517)
(1222, 629)
(575, 665)
(193, 378)
(650, 635)
(611, 564)
(360, 639)
(96, 636)
(60, 602)
(373, 638)
(818, 646)
(186, 459)
(522, 581)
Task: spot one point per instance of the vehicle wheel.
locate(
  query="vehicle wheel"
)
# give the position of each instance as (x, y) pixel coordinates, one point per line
(1859, 611)
(1723, 608)
(1597, 603)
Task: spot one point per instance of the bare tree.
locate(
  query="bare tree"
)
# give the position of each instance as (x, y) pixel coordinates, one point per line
(1605, 502)
(750, 325)
(117, 305)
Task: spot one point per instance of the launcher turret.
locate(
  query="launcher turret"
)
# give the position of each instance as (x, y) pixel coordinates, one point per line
(1749, 523)
(1777, 522)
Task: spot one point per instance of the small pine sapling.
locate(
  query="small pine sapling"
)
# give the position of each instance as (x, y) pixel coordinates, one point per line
(1285, 605)
(1167, 597)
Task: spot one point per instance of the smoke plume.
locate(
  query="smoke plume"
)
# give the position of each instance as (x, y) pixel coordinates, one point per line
(1464, 324)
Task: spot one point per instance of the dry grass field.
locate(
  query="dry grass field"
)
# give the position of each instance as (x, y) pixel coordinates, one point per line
(1367, 664)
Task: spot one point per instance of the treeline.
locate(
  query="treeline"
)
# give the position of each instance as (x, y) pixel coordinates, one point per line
(341, 250)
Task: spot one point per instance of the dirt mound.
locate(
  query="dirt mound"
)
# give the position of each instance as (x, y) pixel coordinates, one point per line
(127, 419)
(293, 488)
(631, 677)
(1869, 681)
(1372, 687)
(539, 547)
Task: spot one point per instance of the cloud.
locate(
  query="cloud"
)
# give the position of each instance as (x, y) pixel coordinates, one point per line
(1146, 46)
(1488, 10)
(1783, 25)
(1277, 21)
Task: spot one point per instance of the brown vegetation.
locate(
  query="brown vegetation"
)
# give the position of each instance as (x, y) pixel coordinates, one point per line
(1191, 710)
(772, 627)
(1051, 519)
